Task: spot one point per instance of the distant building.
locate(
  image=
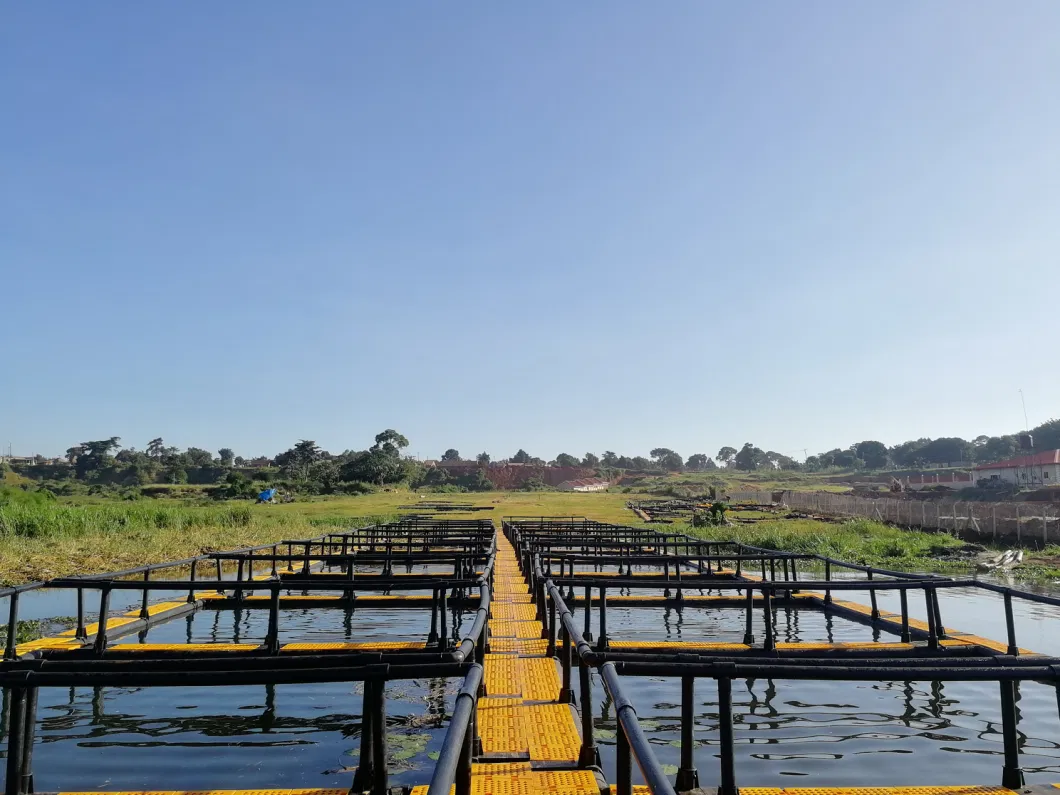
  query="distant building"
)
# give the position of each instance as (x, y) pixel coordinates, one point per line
(584, 484)
(932, 480)
(1039, 469)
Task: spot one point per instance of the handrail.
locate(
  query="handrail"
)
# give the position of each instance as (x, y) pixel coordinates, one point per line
(454, 758)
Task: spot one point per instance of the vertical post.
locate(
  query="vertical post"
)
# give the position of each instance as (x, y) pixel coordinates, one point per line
(566, 694)
(443, 637)
(767, 613)
(239, 578)
(933, 635)
(551, 629)
(904, 596)
(82, 633)
(587, 632)
(748, 634)
(379, 785)
(463, 765)
(11, 649)
(191, 591)
(588, 755)
(15, 737)
(602, 643)
(272, 637)
(728, 746)
(144, 612)
(1010, 624)
(623, 763)
(29, 729)
(687, 775)
(432, 636)
(872, 600)
(220, 590)
(363, 778)
(940, 628)
(101, 629)
(828, 578)
(1011, 773)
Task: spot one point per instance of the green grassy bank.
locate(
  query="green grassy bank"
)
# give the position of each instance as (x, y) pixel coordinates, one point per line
(49, 538)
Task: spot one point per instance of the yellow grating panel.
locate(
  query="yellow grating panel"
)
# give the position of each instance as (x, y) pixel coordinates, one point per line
(502, 677)
(551, 731)
(500, 767)
(540, 680)
(506, 645)
(516, 629)
(546, 731)
(514, 612)
(558, 782)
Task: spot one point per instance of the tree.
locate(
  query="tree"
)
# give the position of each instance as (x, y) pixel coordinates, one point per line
(156, 447)
(624, 462)
(1047, 435)
(812, 463)
(451, 454)
(948, 450)
(197, 457)
(590, 461)
(240, 461)
(521, 457)
(874, 454)
(227, 456)
(96, 455)
(908, 454)
(609, 459)
(296, 462)
(639, 462)
(390, 442)
(566, 460)
(997, 448)
(726, 455)
(73, 452)
(697, 462)
(749, 458)
(667, 459)
(483, 459)
(372, 466)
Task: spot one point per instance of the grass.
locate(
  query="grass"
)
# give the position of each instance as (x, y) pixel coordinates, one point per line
(857, 541)
(40, 541)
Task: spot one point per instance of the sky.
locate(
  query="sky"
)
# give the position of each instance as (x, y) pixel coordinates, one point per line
(552, 226)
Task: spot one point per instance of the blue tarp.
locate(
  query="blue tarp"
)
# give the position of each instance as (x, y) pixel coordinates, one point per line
(267, 495)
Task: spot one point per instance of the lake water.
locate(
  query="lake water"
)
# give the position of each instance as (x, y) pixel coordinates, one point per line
(788, 733)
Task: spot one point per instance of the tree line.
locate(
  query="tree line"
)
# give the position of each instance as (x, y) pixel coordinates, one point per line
(307, 467)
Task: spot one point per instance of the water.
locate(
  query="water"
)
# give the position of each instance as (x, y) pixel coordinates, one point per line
(807, 733)
(242, 737)
(788, 733)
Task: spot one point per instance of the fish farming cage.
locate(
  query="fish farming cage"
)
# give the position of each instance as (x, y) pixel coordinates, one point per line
(587, 567)
(440, 568)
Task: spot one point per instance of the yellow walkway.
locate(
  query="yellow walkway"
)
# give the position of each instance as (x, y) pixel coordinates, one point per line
(520, 719)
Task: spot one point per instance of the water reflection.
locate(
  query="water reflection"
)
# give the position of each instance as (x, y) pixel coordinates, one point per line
(835, 733)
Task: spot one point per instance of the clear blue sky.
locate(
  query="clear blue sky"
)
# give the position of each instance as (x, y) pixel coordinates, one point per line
(564, 227)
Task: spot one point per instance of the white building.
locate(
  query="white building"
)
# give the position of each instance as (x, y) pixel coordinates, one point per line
(1040, 469)
(584, 484)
